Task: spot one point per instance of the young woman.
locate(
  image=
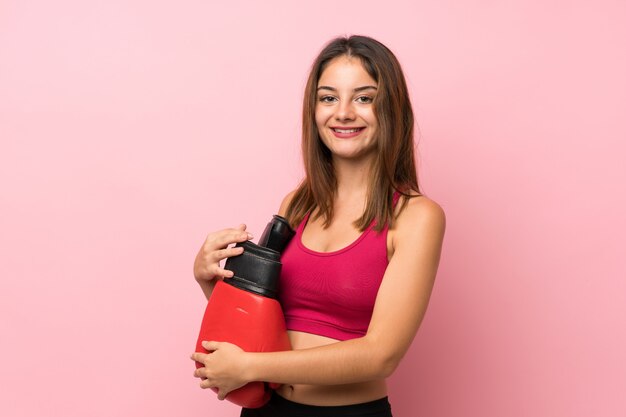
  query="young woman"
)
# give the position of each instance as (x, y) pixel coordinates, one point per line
(358, 274)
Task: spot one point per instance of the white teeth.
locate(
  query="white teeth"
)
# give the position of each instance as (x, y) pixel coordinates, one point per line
(346, 130)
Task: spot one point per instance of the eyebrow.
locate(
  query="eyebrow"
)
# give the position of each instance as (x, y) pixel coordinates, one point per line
(356, 90)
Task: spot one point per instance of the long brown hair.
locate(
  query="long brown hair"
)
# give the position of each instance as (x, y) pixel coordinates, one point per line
(394, 166)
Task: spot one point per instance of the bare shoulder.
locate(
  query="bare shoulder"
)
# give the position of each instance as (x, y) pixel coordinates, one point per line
(422, 218)
(421, 209)
(285, 203)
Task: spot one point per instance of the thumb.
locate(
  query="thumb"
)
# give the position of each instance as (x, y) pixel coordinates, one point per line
(221, 394)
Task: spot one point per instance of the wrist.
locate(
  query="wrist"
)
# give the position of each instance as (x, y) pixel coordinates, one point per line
(206, 286)
(200, 280)
(249, 370)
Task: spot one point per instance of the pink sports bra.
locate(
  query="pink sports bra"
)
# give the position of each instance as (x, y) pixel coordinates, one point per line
(332, 294)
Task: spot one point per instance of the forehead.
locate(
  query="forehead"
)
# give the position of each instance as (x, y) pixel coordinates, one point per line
(345, 70)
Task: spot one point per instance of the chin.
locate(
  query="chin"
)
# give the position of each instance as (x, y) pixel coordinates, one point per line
(353, 155)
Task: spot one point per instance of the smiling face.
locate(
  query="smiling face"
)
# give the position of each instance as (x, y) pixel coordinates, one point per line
(344, 110)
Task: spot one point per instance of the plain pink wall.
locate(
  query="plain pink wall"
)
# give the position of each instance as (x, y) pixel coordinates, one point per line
(130, 129)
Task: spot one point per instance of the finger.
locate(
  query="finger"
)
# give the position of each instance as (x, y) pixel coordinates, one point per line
(223, 238)
(234, 235)
(211, 346)
(201, 373)
(223, 273)
(198, 357)
(221, 394)
(220, 254)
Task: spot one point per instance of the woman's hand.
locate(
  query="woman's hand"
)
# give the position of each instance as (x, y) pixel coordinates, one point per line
(215, 248)
(224, 368)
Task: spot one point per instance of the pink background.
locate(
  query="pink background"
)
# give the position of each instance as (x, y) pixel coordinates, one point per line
(131, 128)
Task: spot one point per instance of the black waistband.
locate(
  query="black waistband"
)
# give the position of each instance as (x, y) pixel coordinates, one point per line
(370, 408)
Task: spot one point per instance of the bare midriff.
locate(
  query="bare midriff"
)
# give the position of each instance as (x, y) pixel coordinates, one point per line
(344, 394)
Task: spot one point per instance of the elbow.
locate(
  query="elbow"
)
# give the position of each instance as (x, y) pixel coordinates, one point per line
(384, 357)
(387, 365)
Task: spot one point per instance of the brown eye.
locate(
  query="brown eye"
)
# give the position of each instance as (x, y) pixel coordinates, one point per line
(327, 99)
(364, 99)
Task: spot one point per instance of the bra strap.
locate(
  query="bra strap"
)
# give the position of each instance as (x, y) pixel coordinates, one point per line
(396, 198)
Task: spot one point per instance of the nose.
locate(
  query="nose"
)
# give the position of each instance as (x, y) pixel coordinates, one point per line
(345, 111)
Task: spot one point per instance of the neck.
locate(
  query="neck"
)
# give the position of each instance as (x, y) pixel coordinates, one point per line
(353, 178)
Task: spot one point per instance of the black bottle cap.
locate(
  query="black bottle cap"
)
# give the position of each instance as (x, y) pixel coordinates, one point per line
(277, 234)
(257, 269)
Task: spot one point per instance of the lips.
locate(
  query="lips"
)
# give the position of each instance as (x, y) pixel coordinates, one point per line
(346, 132)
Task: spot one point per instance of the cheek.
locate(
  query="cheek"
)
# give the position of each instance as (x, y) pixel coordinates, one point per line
(320, 119)
(371, 118)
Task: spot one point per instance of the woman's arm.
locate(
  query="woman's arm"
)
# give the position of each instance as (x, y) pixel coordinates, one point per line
(400, 307)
